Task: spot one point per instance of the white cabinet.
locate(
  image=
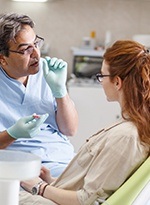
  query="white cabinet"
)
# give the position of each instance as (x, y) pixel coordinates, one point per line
(94, 111)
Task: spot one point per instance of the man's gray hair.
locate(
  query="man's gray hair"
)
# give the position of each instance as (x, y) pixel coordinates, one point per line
(10, 25)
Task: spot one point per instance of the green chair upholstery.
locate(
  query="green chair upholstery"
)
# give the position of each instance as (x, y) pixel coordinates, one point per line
(130, 190)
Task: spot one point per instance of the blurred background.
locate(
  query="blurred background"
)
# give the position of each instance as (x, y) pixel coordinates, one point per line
(78, 31)
(64, 23)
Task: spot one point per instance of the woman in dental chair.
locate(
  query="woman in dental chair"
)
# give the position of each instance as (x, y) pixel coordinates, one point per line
(111, 156)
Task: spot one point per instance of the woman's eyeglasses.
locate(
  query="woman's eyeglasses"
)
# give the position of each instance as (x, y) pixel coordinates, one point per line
(30, 48)
(100, 77)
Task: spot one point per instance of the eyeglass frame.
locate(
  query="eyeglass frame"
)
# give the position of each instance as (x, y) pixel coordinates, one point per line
(101, 76)
(29, 46)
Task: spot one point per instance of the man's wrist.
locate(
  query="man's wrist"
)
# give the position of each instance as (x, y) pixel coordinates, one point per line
(60, 93)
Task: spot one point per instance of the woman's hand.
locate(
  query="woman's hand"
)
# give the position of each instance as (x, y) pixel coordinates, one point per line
(46, 176)
(28, 185)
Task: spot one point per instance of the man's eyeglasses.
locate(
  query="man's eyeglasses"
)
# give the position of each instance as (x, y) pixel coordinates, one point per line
(29, 50)
(100, 77)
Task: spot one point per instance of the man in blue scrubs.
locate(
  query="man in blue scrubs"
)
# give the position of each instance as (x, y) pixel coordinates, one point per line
(31, 84)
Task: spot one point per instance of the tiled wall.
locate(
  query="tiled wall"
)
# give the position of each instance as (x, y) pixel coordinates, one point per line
(63, 23)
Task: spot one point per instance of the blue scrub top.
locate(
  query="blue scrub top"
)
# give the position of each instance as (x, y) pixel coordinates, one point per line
(17, 101)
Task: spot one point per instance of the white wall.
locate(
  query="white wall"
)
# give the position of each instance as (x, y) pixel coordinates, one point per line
(63, 23)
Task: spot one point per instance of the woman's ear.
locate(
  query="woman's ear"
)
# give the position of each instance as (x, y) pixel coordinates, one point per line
(118, 83)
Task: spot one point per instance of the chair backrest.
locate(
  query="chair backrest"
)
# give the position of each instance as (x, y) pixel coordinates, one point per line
(128, 192)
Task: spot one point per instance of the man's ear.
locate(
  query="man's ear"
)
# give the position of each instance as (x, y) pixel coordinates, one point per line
(118, 83)
(2, 60)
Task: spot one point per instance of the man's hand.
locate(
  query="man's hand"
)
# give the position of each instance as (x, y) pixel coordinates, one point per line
(55, 73)
(27, 127)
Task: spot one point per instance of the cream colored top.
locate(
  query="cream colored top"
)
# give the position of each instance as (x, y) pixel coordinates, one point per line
(103, 163)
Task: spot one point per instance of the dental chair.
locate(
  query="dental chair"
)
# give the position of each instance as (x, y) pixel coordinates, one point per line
(136, 190)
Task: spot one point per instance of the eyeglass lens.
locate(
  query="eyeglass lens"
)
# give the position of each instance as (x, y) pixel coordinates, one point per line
(99, 77)
(37, 44)
(29, 50)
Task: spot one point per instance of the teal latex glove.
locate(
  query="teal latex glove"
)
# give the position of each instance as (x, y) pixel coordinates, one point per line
(55, 73)
(27, 127)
